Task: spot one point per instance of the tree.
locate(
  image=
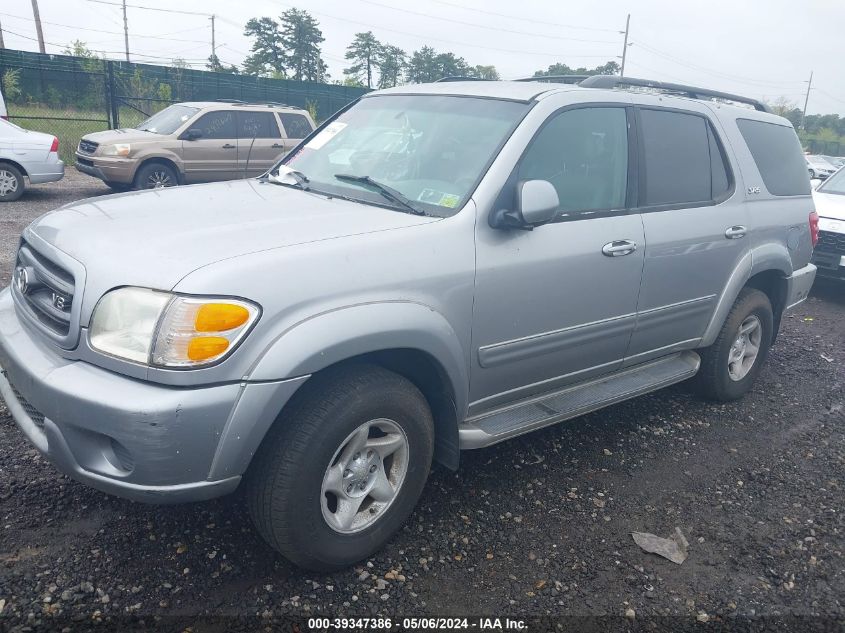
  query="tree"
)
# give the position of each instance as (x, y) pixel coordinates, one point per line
(610, 68)
(364, 52)
(300, 37)
(448, 65)
(215, 65)
(78, 48)
(423, 66)
(392, 62)
(268, 52)
(486, 72)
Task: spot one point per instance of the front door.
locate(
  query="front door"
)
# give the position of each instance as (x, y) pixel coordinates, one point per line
(557, 304)
(214, 154)
(695, 228)
(260, 143)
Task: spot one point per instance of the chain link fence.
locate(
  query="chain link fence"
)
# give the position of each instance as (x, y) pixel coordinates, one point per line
(70, 97)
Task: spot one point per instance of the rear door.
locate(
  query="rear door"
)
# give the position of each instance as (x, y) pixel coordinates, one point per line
(214, 154)
(296, 127)
(260, 143)
(695, 225)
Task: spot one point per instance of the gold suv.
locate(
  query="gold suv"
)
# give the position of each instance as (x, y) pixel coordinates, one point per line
(194, 142)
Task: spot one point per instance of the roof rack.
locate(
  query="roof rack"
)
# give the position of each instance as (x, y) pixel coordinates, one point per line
(268, 104)
(555, 79)
(238, 101)
(614, 81)
(459, 78)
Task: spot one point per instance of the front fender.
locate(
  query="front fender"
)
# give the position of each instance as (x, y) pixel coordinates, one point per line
(330, 337)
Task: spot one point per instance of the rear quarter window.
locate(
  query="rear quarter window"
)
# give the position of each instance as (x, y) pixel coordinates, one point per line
(778, 156)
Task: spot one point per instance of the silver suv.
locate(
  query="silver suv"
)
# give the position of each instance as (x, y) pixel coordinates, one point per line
(436, 268)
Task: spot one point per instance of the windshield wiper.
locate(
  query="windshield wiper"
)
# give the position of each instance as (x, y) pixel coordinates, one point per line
(388, 192)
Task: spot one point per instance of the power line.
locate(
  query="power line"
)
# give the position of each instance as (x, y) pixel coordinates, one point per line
(426, 38)
(137, 6)
(481, 26)
(522, 19)
(83, 28)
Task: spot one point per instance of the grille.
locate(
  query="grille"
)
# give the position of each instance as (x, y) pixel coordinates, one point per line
(34, 414)
(88, 147)
(830, 242)
(45, 289)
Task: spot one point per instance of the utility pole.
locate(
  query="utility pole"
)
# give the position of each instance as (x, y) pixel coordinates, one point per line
(806, 99)
(625, 45)
(213, 44)
(125, 30)
(37, 16)
(2, 45)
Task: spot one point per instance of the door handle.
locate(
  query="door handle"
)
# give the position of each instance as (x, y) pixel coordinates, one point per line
(228, 146)
(735, 232)
(618, 248)
(277, 146)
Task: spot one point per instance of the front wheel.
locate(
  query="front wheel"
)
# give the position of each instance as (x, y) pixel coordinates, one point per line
(343, 467)
(730, 366)
(156, 176)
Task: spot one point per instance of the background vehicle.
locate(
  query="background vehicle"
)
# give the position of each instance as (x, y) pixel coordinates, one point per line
(836, 161)
(26, 157)
(439, 268)
(829, 199)
(194, 142)
(818, 167)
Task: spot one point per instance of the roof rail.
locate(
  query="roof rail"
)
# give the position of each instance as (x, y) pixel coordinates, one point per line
(555, 79)
(459, 78)
(614, 81)
(231, 101)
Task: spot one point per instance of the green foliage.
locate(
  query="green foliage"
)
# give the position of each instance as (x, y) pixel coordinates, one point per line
(364, 53)
(610, 68)
(427, 65)
(422, 67)
(300, 37)
(165, 92)
(216, 66)
(78, 48)
(12, 84)
(486, 72)
(392, 62)
(268, 54)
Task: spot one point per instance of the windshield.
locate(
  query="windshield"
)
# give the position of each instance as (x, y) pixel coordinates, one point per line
(168, 120)
(432, 150)
(834, 184)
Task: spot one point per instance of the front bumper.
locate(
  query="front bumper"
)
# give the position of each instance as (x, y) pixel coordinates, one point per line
(131, 438)
(117, 170)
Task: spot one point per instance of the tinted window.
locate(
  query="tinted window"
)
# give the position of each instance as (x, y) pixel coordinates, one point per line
(777, 153)
(296, 125)
(677, 158)
(720, 178)
(584, 154)
(219, 124)
(257, 125)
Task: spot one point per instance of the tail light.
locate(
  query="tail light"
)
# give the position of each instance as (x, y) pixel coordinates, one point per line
(55, 146)
(814, 227)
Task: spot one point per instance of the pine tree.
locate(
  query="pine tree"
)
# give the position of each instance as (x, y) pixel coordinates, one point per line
(364, 51)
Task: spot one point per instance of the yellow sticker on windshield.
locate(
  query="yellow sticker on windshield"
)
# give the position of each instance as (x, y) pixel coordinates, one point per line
(449, 200)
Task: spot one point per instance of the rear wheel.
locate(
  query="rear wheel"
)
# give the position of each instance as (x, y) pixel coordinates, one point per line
(156, 176)
(730, 366)
(11, 183)
(343, 468)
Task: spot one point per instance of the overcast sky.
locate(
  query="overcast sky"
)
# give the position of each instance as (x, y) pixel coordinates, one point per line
(760, 48)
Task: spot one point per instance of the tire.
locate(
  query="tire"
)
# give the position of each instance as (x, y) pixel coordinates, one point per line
(156, 176)
(722, 376)
(12, 183)
(118, 187)
(288, 484)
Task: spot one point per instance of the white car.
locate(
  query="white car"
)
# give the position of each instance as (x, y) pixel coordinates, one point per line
(829, 199)
(819, 167)
(26, 157)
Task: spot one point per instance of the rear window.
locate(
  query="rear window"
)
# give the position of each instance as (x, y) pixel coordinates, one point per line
(777, 153)
(296, 125)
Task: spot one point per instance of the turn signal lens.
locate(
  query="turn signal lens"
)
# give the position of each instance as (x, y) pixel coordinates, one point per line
(205, 347)
(219, 317)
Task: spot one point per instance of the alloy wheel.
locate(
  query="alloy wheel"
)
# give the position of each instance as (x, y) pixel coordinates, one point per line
(745, 348)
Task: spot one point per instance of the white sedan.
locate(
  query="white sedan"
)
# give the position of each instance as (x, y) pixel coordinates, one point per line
(26, 157)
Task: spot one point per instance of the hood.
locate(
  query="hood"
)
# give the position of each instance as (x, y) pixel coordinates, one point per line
(830, 205)
(124, 135)
(154, 238)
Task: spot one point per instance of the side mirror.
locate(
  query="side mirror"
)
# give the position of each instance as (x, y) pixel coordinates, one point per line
(192, 134)
(815, 182)
(536, 204)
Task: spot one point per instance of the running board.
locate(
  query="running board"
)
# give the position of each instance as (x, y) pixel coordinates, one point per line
(533, 414)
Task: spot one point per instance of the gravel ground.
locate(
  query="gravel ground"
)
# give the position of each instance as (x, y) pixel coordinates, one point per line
(533, 527)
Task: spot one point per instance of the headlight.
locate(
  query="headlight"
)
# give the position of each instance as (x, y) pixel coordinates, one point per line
(118, 149)
(168, 330)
